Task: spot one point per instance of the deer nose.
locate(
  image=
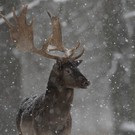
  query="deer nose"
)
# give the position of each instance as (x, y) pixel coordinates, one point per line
(84, 82)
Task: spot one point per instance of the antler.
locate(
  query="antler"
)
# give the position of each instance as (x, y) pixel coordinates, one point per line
(22, 36)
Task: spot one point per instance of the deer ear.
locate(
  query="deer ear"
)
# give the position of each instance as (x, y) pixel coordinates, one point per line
(78, 62)
(57, 68)
(59, 63)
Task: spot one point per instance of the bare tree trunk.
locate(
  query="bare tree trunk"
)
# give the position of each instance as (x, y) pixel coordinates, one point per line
(9, 78)
(117, 49)
(132, 79)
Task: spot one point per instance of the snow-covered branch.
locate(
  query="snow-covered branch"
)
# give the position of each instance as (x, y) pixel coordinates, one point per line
(129, 15)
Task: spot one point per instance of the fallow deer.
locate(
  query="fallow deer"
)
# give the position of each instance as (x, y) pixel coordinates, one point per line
(49, 113)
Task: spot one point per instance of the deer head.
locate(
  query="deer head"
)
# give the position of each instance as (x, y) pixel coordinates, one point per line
(67, 75)
(22, 35)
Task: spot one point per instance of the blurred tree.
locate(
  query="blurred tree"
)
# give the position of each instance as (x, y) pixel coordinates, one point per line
(132, 77)
(117, 51)
(9, 76)
(129, 6)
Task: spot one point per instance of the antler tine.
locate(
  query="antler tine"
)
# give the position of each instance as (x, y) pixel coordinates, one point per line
(57, 37)
(78, 56)
(72, 51)
(6, 21)
(14, 14)
(49, 14)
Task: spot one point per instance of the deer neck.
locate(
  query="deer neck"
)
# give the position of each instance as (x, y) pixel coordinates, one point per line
(57, 90)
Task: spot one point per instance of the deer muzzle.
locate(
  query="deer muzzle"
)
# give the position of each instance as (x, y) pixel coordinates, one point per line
(84, 83)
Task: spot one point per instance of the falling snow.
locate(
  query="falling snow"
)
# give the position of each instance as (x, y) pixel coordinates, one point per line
(106, 29)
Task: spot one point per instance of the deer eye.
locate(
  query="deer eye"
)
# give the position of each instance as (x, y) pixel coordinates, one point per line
(68, 70)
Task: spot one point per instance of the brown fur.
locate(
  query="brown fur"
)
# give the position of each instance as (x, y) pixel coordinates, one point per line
(49, 113)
